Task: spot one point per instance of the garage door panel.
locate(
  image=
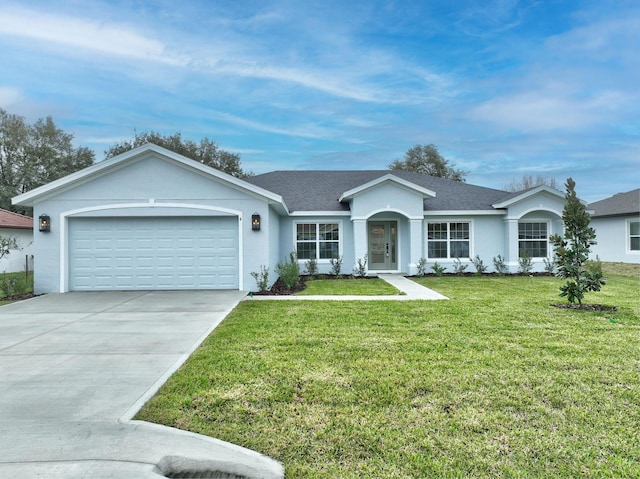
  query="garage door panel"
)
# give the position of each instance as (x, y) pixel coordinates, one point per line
(153, 253)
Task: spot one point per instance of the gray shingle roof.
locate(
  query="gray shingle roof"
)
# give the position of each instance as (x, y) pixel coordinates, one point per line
(320, 190)
(620, 204)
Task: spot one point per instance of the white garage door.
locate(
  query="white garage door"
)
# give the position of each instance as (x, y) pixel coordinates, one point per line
(153, 253)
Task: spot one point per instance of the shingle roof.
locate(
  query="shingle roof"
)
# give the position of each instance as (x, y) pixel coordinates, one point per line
(320, 190)
(14, 220)
(620, 204)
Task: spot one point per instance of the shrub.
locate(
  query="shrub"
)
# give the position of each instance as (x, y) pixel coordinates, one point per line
(437, 269)
(525, 263)
(550, 266)
(458, 267)
(336, 265)
(289, 271)
(421, 266)
(13, 284)
(479, 265)
(312, 267)
(500, 265)
(262, 278)
(360, 269)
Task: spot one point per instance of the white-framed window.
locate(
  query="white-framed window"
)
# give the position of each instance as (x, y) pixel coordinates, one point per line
(634, 236)
(533, 239)
(449, 239)
(317, 240)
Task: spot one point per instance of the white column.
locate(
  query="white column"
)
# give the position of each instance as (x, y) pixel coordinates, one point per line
(416, 230)
(360, 240)
(511, 244)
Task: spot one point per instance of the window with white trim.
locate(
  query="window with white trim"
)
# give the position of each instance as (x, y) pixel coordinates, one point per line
(533, 239)
(317, 240)
(634, 235)
(448, 240)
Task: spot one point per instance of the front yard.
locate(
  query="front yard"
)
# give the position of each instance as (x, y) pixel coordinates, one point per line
(492, 383)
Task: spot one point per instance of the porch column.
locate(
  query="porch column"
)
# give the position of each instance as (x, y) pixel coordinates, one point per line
(511, 244)
(416, 232)
(360, 241)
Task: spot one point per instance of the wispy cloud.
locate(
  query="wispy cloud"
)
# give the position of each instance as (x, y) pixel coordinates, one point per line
(85, 34)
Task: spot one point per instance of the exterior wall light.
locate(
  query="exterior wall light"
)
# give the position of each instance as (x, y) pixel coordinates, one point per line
(44, 223)
(255, 222)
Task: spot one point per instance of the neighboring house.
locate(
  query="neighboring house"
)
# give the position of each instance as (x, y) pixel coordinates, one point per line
(617, 224)
(152, 219)
(21, 228)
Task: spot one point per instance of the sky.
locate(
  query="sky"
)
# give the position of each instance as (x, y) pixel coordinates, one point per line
(503, 88)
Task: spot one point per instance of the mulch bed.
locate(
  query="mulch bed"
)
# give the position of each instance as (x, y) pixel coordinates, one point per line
(19, 297)
(586, 307)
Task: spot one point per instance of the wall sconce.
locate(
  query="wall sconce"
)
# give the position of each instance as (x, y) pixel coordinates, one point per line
(44, 223)
(255, 222)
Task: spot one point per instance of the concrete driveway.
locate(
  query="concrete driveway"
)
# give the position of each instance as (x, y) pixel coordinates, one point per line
(76, 367)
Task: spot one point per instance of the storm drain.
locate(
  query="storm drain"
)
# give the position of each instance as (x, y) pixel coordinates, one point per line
(182, 468)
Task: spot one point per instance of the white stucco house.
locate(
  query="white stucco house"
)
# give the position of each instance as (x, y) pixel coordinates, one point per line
(617, 223)
(19, 227)
(152, 219)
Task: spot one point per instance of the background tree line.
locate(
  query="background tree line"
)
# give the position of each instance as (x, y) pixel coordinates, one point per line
(32, 155)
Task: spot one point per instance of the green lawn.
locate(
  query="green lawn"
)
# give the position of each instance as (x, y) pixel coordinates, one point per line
(350, 286)
(492, 383)
(14, 284)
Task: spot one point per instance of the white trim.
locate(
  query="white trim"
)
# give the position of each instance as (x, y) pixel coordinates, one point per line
(386, 210)
(102, 167)
(465, 212)
(535, 209)
(450, 258)
(527, 194)
(628, 236)
(320, 213)
(317, 222)
(64, 222)
(535, 220)
(389, 177)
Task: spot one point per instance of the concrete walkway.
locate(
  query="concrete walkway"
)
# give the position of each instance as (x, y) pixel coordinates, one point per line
(410, 289)
(76, 367)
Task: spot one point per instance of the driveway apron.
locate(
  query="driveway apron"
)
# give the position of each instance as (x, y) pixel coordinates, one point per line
(76, 367)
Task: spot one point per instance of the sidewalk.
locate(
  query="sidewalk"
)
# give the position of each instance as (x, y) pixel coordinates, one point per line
(410, 289)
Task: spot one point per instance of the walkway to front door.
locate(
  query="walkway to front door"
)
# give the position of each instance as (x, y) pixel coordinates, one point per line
(383, 236)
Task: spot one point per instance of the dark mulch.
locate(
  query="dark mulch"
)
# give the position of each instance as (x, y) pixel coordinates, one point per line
(279, 288)
(19, 297)
(586, 307)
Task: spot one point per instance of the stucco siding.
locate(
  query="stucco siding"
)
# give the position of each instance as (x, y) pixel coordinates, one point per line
(387, 197)
(612, 235)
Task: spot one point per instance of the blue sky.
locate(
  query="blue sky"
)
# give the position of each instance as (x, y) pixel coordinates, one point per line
(504, 88)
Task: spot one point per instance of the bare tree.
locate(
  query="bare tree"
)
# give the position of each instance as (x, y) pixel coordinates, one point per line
(529, 181)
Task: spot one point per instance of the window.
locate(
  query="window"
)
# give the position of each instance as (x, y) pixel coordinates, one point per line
(317, 240)
(448, 240)
(533, 239)
(634, 236)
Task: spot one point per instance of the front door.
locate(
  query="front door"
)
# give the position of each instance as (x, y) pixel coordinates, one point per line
(383, 237)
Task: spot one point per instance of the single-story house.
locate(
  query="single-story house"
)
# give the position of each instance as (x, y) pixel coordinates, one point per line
(153, 219)
(20, 227)
(617, 224)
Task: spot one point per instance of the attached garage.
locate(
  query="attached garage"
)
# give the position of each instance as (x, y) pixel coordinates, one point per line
(150, 253)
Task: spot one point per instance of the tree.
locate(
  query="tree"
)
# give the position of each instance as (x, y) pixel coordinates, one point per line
(7, 243)
(33, 155)
(206, 152)
(572, 250)
(528, 181)
(426, 159)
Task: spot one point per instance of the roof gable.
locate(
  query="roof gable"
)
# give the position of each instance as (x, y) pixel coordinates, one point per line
(9, 219)
(137, 154)
(516, 197)
(388, 178)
